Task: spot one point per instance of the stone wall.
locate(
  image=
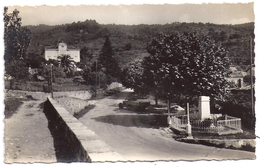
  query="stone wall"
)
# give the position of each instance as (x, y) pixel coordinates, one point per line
(82, 144)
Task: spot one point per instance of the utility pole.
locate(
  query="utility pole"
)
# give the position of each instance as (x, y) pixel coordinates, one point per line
(51, 82)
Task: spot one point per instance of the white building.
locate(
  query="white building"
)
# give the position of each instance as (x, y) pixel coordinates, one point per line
(62, 50)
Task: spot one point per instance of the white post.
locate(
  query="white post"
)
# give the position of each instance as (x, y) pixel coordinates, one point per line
(169, 117)
(188, 128)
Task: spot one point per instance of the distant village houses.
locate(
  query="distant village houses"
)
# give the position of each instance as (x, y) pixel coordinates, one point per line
(237, 77)
(54, 53)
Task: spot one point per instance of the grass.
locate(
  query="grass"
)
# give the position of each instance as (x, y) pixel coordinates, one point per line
(11, 106)
(82, 112)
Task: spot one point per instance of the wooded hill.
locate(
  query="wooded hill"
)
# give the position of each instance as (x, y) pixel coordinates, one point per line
(129, 41)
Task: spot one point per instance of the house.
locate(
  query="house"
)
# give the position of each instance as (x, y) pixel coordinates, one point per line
(236, 78)
(62, 50)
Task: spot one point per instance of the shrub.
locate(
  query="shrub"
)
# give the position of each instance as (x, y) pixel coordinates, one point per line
(11, 106)
(238, 105)
(248, 147)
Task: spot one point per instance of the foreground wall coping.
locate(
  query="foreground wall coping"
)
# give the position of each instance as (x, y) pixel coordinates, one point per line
(97, 150)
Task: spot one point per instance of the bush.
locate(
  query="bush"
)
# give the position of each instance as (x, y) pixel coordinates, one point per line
(60, 80)
(46, 89)
(248, 147)
(11, 106)
(238, 105)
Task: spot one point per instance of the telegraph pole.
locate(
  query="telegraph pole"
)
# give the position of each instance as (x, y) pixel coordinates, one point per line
(51, 83)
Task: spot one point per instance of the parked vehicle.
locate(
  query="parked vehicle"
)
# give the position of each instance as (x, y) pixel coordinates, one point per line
(134, 104)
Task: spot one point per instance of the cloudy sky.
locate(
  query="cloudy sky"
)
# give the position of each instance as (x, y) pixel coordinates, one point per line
(227, 13)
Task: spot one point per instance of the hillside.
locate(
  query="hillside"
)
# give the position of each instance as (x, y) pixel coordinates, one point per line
(129, 41)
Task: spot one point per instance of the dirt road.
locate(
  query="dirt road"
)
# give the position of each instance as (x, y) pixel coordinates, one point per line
(27, 137)
(139, 137)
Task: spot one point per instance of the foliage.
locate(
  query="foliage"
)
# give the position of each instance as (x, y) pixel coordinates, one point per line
(46, 69)
(17, 69)
(247, 79)
(16, 37)
(34, 60)
(238, 105)
(107, 61)
(98, 78)
(67, 63)
(132, 76)
(186, 64)
(235, 38)
(85, 57)
(11, 106)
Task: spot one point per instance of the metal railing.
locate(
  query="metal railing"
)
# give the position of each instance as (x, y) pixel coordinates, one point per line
(227, 126)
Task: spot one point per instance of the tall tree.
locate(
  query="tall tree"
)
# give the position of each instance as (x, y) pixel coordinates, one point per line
(16, 37)
(86, 57)
(106, 60)
(186, 64)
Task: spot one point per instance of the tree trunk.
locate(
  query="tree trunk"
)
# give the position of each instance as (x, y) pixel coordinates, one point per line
(156, 100)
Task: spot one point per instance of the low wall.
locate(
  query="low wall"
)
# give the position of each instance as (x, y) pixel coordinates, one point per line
(81, 143)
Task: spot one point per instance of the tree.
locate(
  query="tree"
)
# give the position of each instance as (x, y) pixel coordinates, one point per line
(67, 63)
(45, 70)
(107, 61)
(85, 56)
(186, 64)
(17, 69)
(16, 37)
(132, 76)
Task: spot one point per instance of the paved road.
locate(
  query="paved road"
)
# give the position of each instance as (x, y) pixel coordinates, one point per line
(139, 137)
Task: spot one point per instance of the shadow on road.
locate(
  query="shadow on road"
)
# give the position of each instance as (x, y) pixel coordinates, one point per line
(144, 121)
(147, 111)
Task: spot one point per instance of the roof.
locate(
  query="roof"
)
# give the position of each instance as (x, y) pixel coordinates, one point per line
(51, 49)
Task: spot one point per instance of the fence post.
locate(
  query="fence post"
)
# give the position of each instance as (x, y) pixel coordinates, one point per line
(188, 124)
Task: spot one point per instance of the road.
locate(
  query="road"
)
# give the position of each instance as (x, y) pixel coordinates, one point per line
(140, 137)
(27, 136)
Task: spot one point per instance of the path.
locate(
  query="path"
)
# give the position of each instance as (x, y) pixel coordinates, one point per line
(136, 137)
(27, 137)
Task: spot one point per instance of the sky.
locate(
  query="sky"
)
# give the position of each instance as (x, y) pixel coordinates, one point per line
(228, 13)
